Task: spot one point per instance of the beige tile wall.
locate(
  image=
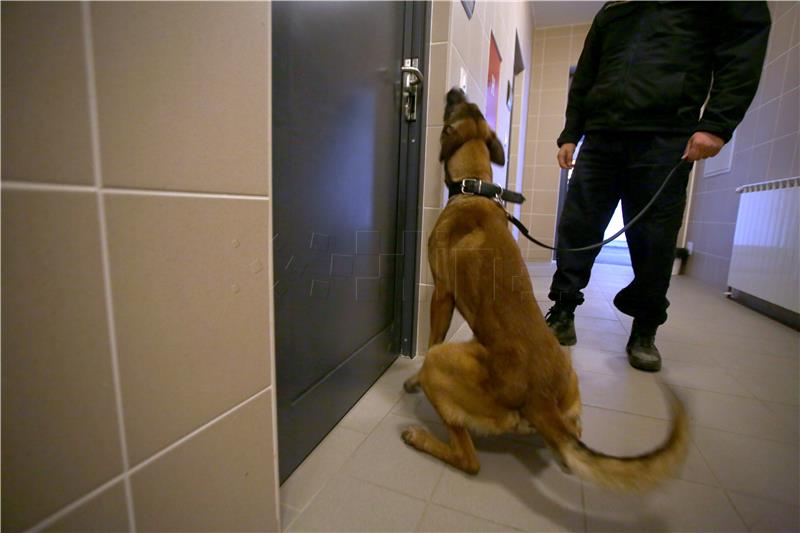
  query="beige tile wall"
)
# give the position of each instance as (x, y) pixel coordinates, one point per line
(519, 132)
(456, 42)
(555, 50)
(46, 99)
(136, 313)
(765, 147)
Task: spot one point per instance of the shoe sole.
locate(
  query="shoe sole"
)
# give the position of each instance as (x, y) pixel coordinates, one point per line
(644, 367)
(568, 342)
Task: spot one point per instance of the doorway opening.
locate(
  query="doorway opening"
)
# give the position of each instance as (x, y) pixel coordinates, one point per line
(614, 253)
(515, 149)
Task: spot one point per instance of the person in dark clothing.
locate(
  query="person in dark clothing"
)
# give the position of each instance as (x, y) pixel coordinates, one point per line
(637, 100)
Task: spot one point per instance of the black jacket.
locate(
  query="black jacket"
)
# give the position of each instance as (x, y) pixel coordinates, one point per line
(648, 66)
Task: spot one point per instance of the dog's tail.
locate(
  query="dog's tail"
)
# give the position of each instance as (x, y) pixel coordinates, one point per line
(625, 474)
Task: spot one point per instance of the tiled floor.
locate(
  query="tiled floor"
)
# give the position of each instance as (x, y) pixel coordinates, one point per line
(737, 371)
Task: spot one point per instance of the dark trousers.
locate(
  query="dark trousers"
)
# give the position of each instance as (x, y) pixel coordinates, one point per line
(629, 167)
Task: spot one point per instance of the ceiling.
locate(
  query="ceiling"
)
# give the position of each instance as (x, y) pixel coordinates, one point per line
(557, 13)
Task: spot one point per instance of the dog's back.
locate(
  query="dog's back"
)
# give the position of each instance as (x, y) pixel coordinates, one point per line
(474, 257)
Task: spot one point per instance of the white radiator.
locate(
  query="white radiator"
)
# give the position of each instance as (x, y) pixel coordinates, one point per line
(765, 262)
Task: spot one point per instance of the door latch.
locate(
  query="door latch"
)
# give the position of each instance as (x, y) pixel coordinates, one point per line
(412, 83)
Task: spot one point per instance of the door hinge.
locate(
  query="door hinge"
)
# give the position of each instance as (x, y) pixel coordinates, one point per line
(412, 83)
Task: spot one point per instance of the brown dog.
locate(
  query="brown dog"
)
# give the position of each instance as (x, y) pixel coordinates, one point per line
(513, 376)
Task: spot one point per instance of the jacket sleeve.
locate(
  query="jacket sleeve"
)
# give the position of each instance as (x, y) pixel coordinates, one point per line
(741, 33)
(582, 81)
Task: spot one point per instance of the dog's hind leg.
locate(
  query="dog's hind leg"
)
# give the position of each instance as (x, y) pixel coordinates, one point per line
(459, 452)
(453, 378)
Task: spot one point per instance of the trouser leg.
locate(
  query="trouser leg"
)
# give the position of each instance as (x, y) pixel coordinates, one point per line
(651, 241)
(592, 196)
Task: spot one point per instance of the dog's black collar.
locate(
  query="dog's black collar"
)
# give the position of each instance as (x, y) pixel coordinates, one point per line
(474, 186)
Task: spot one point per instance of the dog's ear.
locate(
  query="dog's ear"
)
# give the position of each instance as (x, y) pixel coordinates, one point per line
(496, 153)
(450, 140)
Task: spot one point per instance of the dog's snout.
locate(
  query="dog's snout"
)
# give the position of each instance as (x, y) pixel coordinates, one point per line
(455, 96)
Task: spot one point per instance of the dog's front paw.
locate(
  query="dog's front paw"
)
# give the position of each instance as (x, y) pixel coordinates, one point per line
(524, 427)
(411, 385)
(413, 435)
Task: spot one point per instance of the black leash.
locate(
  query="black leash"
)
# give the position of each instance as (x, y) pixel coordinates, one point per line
(490, 190)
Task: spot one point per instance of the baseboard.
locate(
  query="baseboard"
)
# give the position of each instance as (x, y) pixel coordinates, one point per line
(785, 316)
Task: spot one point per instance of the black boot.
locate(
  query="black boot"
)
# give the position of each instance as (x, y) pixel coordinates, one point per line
(562, 323)
(642, 351)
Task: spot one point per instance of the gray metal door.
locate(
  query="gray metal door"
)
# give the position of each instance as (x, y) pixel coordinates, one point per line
(340, 189)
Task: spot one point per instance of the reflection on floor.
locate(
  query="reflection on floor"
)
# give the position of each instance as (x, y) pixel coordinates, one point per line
(737, 371)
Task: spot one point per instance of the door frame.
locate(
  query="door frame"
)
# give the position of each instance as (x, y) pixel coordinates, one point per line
(412, 138)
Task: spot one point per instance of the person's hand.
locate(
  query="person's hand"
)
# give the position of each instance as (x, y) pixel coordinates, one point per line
(702, 145)
(565, 155)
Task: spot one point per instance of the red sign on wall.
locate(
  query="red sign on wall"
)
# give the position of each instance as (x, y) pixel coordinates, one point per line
(493, 83)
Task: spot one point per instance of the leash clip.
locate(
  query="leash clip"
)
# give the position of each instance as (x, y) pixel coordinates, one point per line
(498, 197)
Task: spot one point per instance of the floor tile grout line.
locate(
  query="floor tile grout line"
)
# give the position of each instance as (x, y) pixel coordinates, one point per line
(720, 484)
(729, 372)
(429, 500)
(421, 519)
(701, 426)
(317, 492)
(651, 417)
(692, 482)
(674, 384)
(736, 509)
(94, 126)
(394, 404)
(297, 514)
(751, 397)
(745, 435)
(583, 507)
(472, 515)
(445, 506)
(341, 468)
(762, 498)
(416, 498)
(765, 403)
(378, 485)
(783, 404)
(679, 385)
